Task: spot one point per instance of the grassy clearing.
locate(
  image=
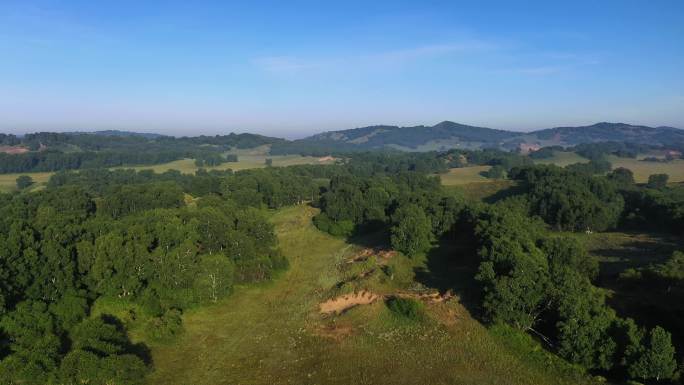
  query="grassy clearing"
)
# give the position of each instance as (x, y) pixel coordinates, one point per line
(642, 169)
(8, 182)
(464, 175)
(562, 158)
(247, 159)
(469, 182)
(617, 251)
(272, 333)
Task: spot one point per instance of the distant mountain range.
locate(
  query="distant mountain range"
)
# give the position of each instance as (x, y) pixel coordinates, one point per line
(442, 136)
(448, 134)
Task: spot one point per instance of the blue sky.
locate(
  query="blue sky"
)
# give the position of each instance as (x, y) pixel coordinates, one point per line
(292, 68)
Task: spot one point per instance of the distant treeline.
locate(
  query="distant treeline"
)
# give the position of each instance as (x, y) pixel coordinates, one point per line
(72, 151)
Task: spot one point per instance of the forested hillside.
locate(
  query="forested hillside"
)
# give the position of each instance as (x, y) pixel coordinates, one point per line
(446, 135)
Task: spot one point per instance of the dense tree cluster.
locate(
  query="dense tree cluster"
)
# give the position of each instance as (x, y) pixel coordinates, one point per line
(542, 283)
(570, 200)
(133, 239)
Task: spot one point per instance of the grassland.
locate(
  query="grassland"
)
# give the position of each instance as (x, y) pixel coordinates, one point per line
(642, 169)
(465, 175)
(469, 182)
(273, 333)
(8, 182)
(247, 159)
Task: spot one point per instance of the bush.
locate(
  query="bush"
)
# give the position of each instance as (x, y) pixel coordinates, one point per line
(165, 327)
(657, 181)
(24, 181)
(342, 228)
(405, 308)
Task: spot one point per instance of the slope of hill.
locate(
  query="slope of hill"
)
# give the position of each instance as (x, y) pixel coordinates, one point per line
(609, 132)
(440, 136)
(447, 135)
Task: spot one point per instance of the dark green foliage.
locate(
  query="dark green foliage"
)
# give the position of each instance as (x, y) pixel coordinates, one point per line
(593, 167)
(411, 232)
(166, 326)
(406, 308)
(545, 152)
(655, 358)
(34, 344)
(268, 162)
(571, 201)
(623, 177)
(54, 151)
(542, 284)
(24, 181)
(129, 237)
(651, 209)
(342, 228)
(595, 151)
(496, 172)
(129, 199)
(657, 181)
(514, 271)
(101, 354)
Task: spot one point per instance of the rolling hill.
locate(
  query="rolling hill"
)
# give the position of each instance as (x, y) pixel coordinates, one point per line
(448, 134)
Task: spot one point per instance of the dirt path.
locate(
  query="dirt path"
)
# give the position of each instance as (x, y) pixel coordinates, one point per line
(273, 333)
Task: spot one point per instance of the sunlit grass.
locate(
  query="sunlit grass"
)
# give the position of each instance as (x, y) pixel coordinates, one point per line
(272, 333)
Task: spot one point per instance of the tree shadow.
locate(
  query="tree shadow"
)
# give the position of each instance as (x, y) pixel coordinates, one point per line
(138, 349)
(513, 190)
(452, 266)
(371, 235)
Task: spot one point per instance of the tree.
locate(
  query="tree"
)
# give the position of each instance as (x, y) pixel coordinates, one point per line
(34, 344)
(495, 172)
(656, 358)
(101, 354)
(622, 176)
(268, 162)
(412, 231)
(24, 181)
(513, 271)
(657, 181)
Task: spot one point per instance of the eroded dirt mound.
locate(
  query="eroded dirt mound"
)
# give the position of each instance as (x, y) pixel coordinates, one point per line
(382, 255)
(345, 302)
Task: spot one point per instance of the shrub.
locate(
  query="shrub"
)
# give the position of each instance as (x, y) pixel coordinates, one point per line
(165, 327)
(342, 228)
(24, 181)
(405, 308)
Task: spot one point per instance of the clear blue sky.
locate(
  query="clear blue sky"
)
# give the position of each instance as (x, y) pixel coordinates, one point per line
(291, 68)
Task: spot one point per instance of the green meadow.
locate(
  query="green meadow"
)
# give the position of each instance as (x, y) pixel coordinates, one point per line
(247, 159)
(273, 333)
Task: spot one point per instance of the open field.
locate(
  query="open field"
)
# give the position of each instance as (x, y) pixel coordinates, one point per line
(464, 175)
(469, 182)
(641, 169)
(244, 162)
(8, 182)
(247, 159)
(273, 333)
